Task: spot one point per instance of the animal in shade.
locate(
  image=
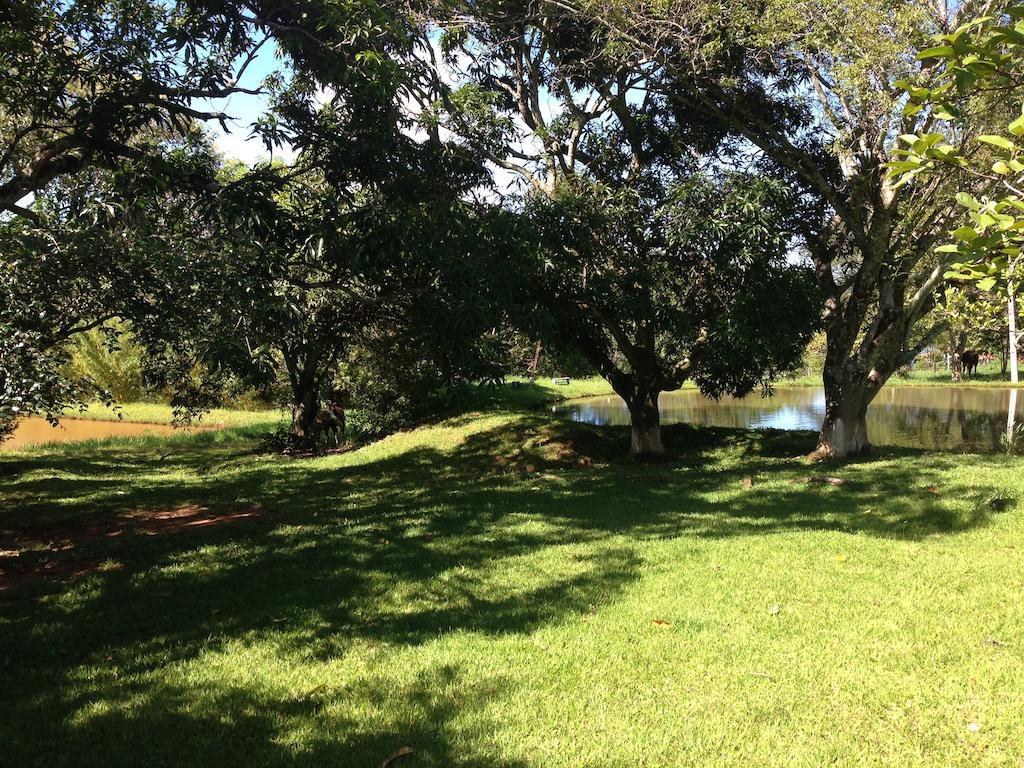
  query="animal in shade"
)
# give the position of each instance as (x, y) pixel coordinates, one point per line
(970, 360)
(330, 422)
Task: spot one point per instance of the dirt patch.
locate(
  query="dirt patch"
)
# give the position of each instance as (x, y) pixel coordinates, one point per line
(64, 569)
(189, 516)
(55, 551)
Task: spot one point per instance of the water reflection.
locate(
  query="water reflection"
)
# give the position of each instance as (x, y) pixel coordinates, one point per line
(941, 418)
(36, 431)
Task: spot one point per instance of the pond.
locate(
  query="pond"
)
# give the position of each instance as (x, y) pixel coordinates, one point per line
(36, 430)
(939, 418)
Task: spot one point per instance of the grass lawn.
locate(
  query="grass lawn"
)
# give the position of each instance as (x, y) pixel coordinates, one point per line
(988, 375)
(504, 589)
(159, 413)
(515, 393)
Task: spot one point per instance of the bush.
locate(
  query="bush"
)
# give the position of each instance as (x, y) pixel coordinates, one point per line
(391, 386)
(111, 360)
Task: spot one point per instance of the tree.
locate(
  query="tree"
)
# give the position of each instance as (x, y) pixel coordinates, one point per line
(329, 274)
(654, 296)
(623, 272)
(975, 320)
(98, 129)
(980, 63)
(86, 82)
(817, 88)
(101, 246)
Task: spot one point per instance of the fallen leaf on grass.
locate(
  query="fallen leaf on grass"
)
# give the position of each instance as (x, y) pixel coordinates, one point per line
(747, 482)
(395, 755)
(660, 623)
(841, 558)
(933, 489)
(826, 480)
(992, 641)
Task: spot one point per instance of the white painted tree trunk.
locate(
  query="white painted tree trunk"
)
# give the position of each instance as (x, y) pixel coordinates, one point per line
(1011, 319)
(646, 422)
(1011, 416)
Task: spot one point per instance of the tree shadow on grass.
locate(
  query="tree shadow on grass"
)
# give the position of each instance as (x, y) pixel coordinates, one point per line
(158, 723)
(516, 527)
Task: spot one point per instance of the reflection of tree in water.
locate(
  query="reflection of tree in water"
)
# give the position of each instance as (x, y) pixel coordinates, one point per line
(916, 417)
(955, 424)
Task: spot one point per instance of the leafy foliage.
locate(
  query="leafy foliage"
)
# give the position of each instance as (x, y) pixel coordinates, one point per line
(645, 288)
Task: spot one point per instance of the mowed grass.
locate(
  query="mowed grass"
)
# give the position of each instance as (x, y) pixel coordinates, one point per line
(516, 392)
(161, 413)
(988, 375)
(505, 589)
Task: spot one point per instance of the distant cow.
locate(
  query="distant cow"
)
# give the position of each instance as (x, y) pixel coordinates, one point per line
(970, 362)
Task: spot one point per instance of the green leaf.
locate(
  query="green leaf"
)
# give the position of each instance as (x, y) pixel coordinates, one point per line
(1017, 126)
(997, 141)
(965, 78)
(937, 52)
(967, 201)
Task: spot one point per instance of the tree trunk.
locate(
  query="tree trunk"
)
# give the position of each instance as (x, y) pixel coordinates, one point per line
(305, 406)
(1011, 338)
(844, 432)
(646, 424)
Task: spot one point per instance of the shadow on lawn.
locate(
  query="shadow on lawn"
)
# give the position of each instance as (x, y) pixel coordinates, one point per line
(398, 551)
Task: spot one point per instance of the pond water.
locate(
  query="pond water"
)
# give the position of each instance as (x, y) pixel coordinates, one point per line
(36, 430)
(942, 418)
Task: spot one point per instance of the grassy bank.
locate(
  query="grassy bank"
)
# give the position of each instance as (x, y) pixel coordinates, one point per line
(988, 375)
(504, 589)
(515, 393)
(160, 413)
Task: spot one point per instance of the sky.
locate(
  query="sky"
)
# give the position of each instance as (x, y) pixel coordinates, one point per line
(237, 142)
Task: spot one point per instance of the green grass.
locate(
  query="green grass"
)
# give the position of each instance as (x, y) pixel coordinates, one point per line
(485, 591)
(160, 413)
(988, 375)
(518, 393)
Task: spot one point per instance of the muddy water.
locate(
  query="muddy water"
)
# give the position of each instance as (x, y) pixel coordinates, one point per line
(36, 431)
(946, 418)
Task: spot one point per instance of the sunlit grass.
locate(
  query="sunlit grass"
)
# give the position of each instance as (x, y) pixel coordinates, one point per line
(161, 413)
(506, 589)
(988, 375)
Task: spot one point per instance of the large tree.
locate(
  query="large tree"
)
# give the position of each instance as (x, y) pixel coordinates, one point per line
(818, 87)
(658, 266)
(654, 296)
(113, 206)
(86, 82)
(99, 246)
